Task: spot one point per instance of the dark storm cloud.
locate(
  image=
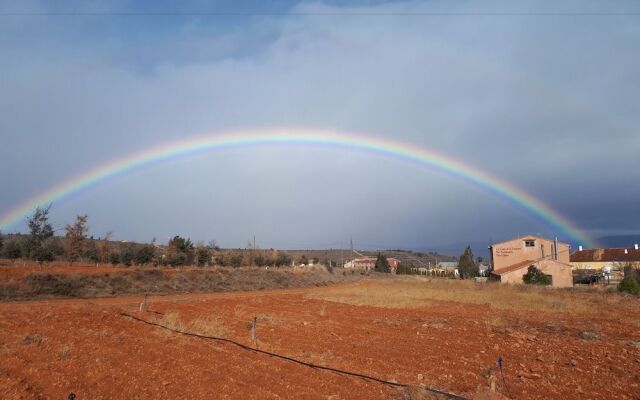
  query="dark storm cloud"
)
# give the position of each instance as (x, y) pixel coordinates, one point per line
(545, 102)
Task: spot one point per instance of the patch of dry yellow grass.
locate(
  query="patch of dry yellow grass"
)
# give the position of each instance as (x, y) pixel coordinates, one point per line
(419, 292)
(208, 326)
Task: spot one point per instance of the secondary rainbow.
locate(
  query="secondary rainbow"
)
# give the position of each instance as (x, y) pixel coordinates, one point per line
(298, 137)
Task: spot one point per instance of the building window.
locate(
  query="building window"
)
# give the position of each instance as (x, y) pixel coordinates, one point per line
(529, 243)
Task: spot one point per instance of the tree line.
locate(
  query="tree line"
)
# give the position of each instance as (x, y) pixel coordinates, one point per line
(41, 245)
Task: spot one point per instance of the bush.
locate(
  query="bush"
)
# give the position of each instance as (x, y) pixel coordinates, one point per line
(55, 285)
(535, 277)
(202, 256)
(127, 255)
(114, 258)
(144, 254)
(282, 260)
(91, 251)
(629, 285)
(12, 249)
(630, 270)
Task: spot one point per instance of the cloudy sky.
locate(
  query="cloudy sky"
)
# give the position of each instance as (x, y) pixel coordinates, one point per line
(544, 95)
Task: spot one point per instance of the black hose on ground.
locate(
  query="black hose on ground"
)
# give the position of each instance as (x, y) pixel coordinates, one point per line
(291, 359)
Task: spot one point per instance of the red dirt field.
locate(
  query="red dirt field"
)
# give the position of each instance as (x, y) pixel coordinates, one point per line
(51, 348)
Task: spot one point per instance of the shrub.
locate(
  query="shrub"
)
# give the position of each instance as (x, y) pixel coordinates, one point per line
(630, 270)
(127, 255)
(144, 254)
(12, 249)
(91, 251)
(236, 260)
(535, 277)
(282, 260)
(202, 256)
(629, 285)
(56, 285)
(114, 258)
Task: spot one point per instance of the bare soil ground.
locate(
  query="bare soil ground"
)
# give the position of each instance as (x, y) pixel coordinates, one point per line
(436, 333)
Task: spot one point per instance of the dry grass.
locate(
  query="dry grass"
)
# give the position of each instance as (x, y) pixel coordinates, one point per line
(208, 326)
(64, 352)
(419, 292)
(34, 339)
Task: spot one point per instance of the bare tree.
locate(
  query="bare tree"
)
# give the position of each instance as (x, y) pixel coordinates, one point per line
(76, 235)
(104, 248)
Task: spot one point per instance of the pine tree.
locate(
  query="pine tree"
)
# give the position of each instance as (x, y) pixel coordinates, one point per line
(467, 268)
(382, 265)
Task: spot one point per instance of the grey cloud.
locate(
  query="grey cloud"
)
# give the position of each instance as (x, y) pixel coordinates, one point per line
(526, 98)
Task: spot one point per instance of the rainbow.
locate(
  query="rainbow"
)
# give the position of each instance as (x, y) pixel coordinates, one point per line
(304, 137)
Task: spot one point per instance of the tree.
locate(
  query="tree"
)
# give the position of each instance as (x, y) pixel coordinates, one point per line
(535, 277)
(467, 268)
(1, 242)
(382, 265)
(39, 230)
(144, 254)
(76, 235)
(127, 255)
(181, 244)
(91, 252)
(104, 248)
(180, 251)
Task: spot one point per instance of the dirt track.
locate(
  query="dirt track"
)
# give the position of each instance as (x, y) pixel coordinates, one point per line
(51, 348)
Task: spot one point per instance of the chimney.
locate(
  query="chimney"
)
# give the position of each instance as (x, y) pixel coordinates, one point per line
(579, 248)
(626, 251)
(636, 246)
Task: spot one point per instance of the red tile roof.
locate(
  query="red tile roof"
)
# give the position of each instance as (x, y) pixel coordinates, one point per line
(611, 255)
